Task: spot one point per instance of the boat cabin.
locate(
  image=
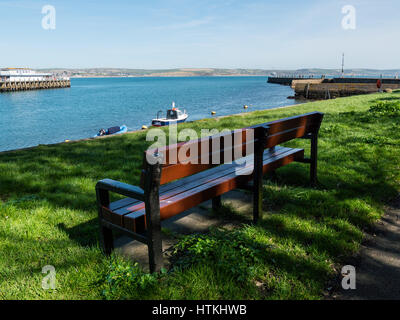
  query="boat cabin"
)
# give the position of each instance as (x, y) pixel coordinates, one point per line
(174, 114)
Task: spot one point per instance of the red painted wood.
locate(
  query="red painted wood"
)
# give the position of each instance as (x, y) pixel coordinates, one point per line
(187, 199)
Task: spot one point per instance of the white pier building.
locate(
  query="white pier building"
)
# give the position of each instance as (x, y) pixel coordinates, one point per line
(25, 74)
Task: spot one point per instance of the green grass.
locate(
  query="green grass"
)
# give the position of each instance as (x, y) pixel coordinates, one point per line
(48, 214)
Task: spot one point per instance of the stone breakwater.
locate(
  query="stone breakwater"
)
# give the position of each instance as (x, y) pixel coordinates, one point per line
(8, 86)
(331, 90)
(323, 88)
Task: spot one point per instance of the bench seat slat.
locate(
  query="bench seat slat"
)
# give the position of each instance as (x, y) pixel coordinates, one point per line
(125, 206)
(126, 202)
(122, 203)
(189, 198)
(196, 180)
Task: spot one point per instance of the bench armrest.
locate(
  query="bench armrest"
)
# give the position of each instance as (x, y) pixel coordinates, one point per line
(121, 188)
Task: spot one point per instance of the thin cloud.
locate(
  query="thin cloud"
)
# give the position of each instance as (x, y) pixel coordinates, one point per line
(186, 25)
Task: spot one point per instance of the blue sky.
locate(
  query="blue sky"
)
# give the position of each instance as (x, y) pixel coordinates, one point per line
(153, 34)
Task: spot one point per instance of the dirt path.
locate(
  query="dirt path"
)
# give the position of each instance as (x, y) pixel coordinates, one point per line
(378, 264)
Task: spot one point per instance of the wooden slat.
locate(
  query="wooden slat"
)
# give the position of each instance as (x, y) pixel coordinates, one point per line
(284, 136)
(170, 152)
(309, 119)
(290, 128)
(137, 236)
(178, 171)
(122, 203)
(107, 214)
(296, 155)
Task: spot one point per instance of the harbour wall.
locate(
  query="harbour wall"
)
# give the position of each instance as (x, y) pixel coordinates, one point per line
(336, 90)
(330, 88)
(364, 80)
(289, 81)
(7, 86)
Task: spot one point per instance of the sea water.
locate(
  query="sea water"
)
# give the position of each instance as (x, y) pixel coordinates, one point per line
(29, 118)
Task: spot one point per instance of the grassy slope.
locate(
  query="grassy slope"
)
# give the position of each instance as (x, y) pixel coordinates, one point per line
(48, 214)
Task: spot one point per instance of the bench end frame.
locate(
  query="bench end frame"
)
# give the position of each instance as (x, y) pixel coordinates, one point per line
(152, 178)
(260, 136)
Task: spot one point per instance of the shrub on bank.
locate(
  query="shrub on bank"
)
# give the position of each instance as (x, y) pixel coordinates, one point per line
(125, 280)
(389, 108)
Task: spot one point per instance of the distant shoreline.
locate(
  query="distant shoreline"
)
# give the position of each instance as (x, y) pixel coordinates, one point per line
(170, 76)
(214, 72)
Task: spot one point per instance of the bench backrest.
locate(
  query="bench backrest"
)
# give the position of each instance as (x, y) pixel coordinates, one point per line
(205, 153)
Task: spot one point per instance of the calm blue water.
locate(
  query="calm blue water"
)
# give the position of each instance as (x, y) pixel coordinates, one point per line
(29, 118)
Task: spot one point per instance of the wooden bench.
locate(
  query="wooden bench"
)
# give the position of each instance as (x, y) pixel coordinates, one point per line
(169, 187)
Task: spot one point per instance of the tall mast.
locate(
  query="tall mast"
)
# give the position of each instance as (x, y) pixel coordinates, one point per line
(343, 65)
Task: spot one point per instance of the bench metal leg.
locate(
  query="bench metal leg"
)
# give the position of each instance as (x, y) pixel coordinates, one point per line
(106, 239)
(153, 220)
(106, 234)
(313, 159)
(155, 253)
(216, 203)
(154, 234)
(257, 200)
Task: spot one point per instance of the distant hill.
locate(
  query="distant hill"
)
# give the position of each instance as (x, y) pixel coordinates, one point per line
(195, 72)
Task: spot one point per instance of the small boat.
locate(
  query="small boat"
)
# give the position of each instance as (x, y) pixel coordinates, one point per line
(174, 116)
(112, 130)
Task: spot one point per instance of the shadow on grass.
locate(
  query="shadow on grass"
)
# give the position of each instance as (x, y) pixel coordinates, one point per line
(85, 234)
(327, 229)
(239, 254)
(66, 174)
